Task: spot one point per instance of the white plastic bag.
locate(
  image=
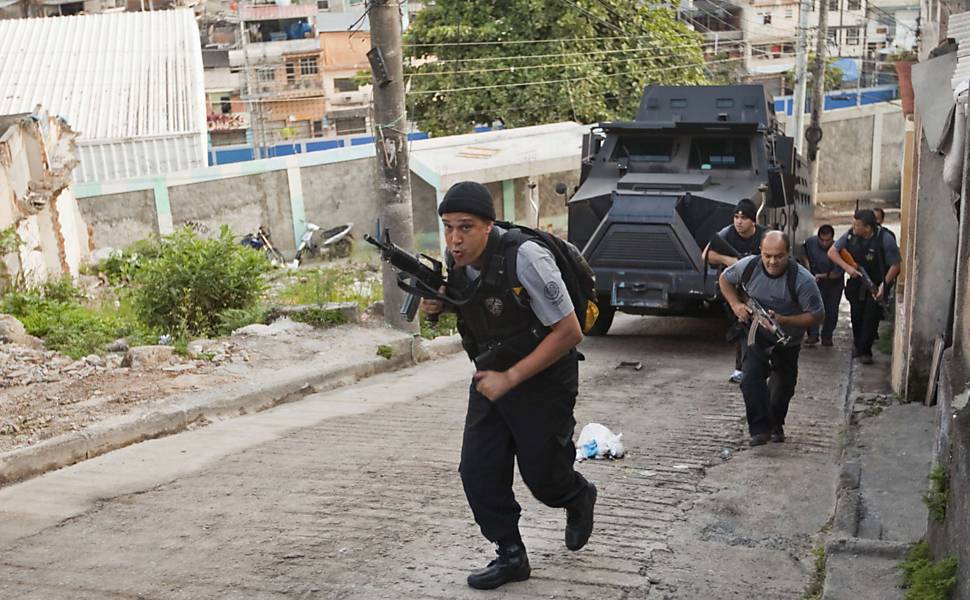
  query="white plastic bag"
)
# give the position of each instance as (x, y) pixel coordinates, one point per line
(597, 441)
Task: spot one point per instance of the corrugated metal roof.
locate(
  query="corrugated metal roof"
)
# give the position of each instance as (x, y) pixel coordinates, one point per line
(111, 76)
(959, 30)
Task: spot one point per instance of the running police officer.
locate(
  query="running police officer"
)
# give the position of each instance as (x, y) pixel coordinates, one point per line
(744, 235)
(875, 252)
(830, 280)
(521, 398)
(788, 290)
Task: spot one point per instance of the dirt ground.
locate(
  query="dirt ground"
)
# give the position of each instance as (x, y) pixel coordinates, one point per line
(44, 394)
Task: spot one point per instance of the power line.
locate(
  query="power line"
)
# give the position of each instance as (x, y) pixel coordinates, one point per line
(566, 80)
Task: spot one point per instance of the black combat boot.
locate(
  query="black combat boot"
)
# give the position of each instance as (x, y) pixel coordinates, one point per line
(512, 564)
(579, 519)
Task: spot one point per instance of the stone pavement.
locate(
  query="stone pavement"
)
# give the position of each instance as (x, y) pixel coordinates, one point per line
(354, 493)
(885, 466)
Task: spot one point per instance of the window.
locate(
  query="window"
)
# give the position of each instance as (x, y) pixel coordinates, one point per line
(290, 72)
(789, 13)
(852, 36)
(644, 150)
(266, 74)
(833, 37)
(833, 5)
(308, 65)
(323, 4)
(853, 5)
(766, 18)
(351, 125)
(345, 84)
(225, 104)
(720, 153)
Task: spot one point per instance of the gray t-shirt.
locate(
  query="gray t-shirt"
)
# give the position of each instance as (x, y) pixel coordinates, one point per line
(772, 293)
(537, 272)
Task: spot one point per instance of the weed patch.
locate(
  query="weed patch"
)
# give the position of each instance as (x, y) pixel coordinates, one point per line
(937, 497)
(814, 591)
(925, 579)
(385, 351)
(447, 325)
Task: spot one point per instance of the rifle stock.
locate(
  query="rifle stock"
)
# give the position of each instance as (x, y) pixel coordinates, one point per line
(722, 247)
(866, 280)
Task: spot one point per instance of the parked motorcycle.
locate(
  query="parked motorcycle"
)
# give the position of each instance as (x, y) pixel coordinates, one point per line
(260, 240)
(336, 242)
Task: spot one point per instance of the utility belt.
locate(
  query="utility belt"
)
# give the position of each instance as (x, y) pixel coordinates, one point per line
(498, 354)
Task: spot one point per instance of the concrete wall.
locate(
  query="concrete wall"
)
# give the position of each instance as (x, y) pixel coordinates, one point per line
(119, 220)
(342, 193)
(860, 152)
(243, 203)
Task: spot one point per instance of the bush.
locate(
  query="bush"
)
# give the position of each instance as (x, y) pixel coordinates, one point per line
(925, 579)
(122, 265)
(193, 281)
(53, 311)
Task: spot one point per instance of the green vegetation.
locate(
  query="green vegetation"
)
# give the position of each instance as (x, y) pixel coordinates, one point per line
(592, 64)
(447, 324)
(56, 312)
(385, 351)
(192, 281)
(335, 284)
(9, 242)
(814, 591)
(885, 342)
(182, 286)
(938, 496)
(925, 579)
(833, 75)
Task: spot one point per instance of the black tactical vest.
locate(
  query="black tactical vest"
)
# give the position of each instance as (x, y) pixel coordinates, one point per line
(869, 254)
(749, 246)
(494, 316)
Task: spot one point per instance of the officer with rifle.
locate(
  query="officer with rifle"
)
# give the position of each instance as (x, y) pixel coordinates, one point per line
(778, 299)
(734, 242)
(871, 258)
(830, 279)
(522, 332)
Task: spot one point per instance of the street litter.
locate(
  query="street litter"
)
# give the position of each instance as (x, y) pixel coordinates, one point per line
(597, 441)
(633, 364)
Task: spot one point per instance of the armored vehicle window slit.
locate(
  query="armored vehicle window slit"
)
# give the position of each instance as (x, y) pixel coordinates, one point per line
(720, 153)
(644, 150)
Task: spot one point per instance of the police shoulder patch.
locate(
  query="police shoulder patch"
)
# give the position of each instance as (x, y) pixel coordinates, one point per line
(553, 292)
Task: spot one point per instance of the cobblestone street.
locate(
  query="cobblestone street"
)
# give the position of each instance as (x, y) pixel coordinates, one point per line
(355, 493)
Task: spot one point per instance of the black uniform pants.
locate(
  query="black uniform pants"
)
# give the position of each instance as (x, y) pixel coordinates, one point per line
(831, 298)
(866, 314)
(768, 385)
(533, 423)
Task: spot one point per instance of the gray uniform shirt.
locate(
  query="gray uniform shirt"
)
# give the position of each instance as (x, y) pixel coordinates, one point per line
(537, 272)
(772, 293)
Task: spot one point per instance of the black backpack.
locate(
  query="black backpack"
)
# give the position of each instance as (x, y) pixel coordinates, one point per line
(576, 272)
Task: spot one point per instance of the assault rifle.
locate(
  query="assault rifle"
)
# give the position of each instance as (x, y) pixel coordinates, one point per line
(760, 317)
(721, 246)
(418, 279)
(867, 281)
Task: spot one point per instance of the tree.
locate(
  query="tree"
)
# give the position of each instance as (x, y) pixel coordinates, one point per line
(477, 61)
(833, 75)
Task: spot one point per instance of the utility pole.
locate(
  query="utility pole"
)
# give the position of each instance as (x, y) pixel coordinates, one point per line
(390, 138)
(865, 52)
(801, 71)
(814, 134)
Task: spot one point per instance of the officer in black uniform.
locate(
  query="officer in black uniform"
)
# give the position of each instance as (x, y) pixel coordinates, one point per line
(876, 252)
(522, 395)
(744, 235)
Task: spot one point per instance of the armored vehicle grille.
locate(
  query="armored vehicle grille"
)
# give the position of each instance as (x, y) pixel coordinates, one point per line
(644, 249)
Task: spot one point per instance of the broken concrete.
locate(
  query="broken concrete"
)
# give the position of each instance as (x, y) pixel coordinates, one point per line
(147, 357)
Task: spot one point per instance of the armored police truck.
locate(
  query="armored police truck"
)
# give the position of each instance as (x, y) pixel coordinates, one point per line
(655, 190)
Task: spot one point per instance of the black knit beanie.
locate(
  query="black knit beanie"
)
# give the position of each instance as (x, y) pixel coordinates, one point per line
(747, 208)
(468, 197)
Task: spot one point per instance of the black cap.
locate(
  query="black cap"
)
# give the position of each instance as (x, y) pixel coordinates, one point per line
(747, 208)
(468, 197)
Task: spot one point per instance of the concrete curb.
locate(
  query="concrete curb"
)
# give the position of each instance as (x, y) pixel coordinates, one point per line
(858, 546)
(176, 413)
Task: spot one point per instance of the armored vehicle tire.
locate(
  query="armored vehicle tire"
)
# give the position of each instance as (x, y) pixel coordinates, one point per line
(602, 324)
